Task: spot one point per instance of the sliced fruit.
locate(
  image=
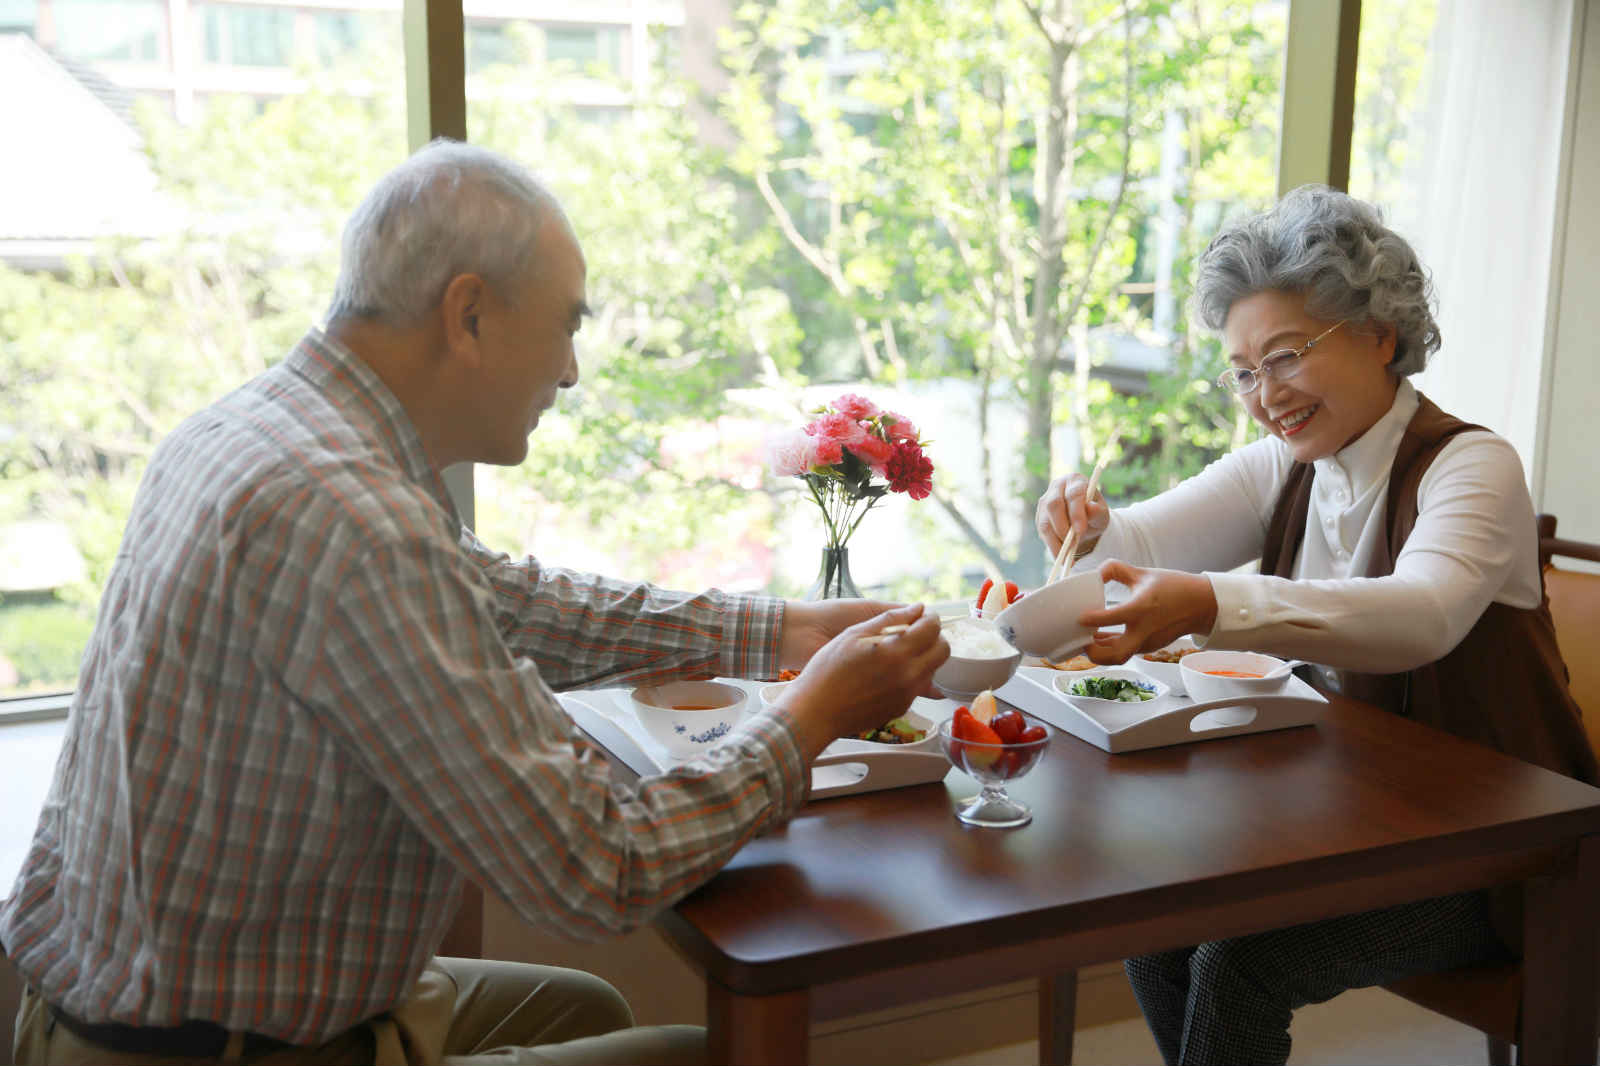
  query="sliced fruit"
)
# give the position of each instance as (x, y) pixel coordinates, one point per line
(983, 593)
(984, 706)
(995, 601)
(1013, 594)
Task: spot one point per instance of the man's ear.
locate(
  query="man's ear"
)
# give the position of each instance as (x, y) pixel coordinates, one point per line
(461, 307)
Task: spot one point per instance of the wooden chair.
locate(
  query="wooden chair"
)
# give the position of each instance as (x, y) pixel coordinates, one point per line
(1489, 998)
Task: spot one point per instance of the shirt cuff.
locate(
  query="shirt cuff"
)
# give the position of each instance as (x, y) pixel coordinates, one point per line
(768, 739)
(751, 630)
(1243, 610)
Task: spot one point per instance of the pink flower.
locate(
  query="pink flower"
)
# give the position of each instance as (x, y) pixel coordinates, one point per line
(874, 452)
(900, 428)
(837, 427)
(791, 453)
(826, 452)
(854, 406)
(910, 471)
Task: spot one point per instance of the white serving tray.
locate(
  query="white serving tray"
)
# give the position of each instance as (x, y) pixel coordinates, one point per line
(844, 768)
(1162, 721)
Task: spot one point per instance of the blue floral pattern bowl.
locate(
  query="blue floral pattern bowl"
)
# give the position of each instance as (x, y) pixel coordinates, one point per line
(689, 717)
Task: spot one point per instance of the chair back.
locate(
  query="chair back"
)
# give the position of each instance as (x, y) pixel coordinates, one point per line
(1575, 608)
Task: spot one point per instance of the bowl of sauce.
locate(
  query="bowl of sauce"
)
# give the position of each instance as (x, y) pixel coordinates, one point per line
(1219, 675)
(689, 717)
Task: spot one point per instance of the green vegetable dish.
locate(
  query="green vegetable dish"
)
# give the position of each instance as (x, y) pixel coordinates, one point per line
(1113, 688)
(894, 731)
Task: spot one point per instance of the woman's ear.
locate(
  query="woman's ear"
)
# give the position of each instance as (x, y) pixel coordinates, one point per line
(1385, 339)
(461, 307)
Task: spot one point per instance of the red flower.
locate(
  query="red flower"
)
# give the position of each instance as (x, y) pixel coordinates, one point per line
(910, 471)
(827, 452)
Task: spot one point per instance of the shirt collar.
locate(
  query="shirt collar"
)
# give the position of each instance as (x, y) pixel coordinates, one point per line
(1366, 460)
(371, 407)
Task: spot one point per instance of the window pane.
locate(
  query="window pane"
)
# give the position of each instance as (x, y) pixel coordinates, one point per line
(584, 47)
(241, 36)
(147, 266)
(18, 16)
(110, 29)
(806, 205)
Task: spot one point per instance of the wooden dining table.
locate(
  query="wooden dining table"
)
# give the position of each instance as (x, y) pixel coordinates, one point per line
(875, 900)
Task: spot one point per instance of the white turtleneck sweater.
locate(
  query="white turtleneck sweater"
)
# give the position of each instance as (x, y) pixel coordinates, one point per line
(1474, 544)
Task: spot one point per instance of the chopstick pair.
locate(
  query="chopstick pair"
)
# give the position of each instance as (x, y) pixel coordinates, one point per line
(1063, 561)
(900, 627)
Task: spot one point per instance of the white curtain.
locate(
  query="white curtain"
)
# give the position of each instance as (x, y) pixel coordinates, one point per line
(1480, 200)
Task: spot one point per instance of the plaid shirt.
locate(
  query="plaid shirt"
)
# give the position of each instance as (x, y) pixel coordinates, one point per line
(313, 702)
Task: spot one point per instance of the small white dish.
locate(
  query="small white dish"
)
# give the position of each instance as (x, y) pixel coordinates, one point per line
(1167, 673)
(771, 692)
(964, 676)
(1045, 621)
(689, 717)
(1205, 686)
(1065, 682)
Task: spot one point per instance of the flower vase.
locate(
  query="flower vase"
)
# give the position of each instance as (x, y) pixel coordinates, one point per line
(833, 577)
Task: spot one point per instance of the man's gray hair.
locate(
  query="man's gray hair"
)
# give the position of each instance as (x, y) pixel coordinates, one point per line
(1336, 250)
(450, 209)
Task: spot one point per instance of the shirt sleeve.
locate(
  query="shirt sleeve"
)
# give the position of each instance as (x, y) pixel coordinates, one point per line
(1474, 529)
(1216, 520)
(585, 630)
(469, 741)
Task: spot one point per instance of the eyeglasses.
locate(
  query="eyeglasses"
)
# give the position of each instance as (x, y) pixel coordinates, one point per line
(1279, 365)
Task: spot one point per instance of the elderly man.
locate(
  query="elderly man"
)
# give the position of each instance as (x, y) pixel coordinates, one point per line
(314, 703)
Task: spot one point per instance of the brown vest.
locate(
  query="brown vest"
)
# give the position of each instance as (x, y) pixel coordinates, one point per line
(1505, 684)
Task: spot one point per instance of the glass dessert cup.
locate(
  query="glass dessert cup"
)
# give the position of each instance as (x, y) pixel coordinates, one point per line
(993, 765)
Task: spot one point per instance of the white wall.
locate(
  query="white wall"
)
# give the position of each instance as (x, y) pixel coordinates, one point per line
(1567, 476)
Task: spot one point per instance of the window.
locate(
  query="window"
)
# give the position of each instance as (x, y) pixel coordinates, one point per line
(342, 34)
(492, 44)
(584, 47)
(856, 213)
(18, 16)
(240, 36)
(121, 30)
(184, 258)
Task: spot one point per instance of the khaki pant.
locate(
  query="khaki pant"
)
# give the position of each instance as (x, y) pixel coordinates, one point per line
(462, 1012)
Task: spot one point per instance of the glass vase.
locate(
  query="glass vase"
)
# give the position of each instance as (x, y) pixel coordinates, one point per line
(833, 577)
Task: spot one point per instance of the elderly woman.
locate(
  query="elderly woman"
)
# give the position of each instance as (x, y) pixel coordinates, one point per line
(1397, 551)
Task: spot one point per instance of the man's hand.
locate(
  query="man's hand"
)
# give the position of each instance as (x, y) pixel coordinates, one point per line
(1164, 606)
(855, 682)
(809, 624)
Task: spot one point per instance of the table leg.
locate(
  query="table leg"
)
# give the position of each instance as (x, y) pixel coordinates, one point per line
(1560, 1008)
(754, 1030)
(1058, 1008)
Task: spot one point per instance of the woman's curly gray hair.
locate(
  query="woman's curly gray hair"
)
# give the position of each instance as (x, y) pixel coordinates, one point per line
(1336, 250)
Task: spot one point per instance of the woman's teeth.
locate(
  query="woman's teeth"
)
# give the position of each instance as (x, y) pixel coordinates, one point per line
(1292, 423)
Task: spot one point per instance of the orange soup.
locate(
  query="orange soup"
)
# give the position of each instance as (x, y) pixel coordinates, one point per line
(1231, 673)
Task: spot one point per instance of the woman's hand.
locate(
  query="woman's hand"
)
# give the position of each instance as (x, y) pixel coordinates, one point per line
(1065, 505)
(1165, 605)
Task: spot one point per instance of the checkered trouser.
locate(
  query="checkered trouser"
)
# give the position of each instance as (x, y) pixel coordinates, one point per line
(1230, 1001)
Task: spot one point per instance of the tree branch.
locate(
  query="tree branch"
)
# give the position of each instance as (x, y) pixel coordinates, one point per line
(985, 547)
